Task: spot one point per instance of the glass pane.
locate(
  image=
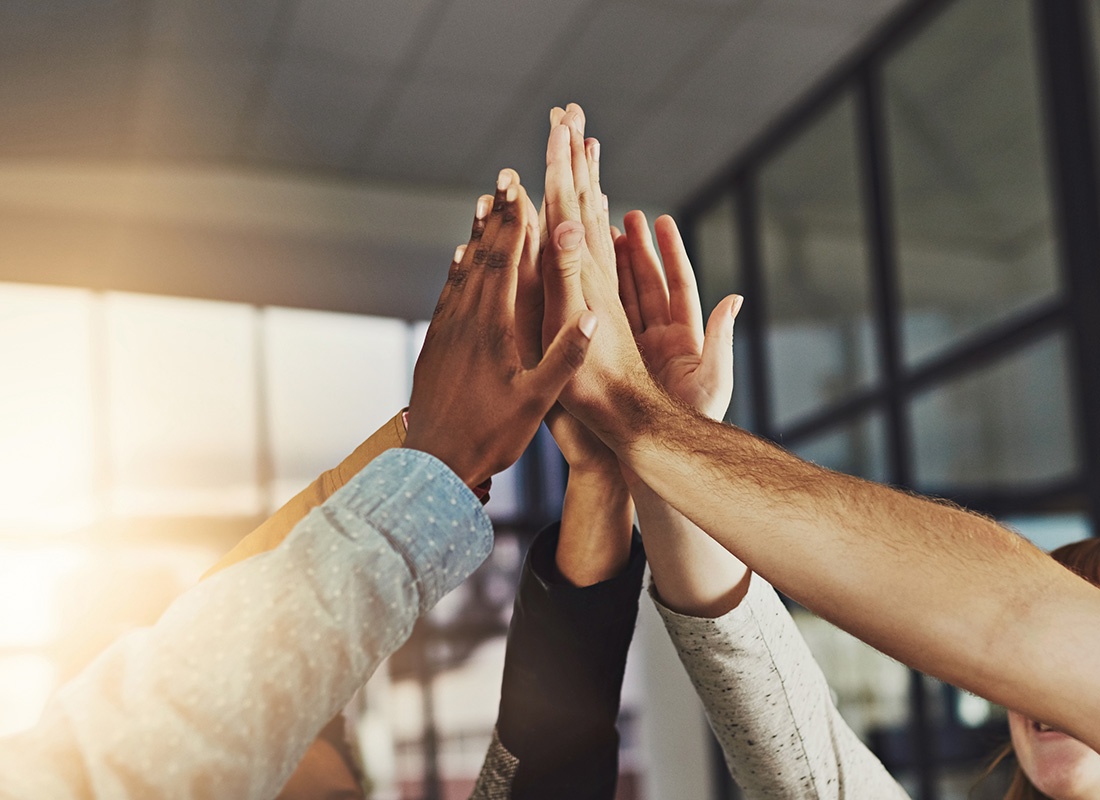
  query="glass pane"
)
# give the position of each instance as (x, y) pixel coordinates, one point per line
(1050, 531)
(46, 432)
(871, 690)
(973, 217)
(332, 380)
(857, 448)
(717, 264)
(183, 407)
(816, 278)
(26, 682)
(1008, 424)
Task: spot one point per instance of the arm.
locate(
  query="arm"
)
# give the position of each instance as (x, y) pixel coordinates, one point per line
(770, 707)
(573, 620)
(767, 701)
(567, 644)
(222, 696)
(943, 590)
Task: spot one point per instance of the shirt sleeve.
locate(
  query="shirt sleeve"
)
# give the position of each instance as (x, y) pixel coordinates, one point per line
(556, 732)
(223, 695)
(770, 706)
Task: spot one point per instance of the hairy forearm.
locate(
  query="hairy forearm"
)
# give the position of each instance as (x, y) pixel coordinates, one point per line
(693, 574)
(597, 521)
(944, 590)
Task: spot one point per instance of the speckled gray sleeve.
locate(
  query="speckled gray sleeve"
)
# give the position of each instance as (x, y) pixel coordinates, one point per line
(770, 707)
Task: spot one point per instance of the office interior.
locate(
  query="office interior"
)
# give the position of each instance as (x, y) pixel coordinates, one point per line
(223, 227)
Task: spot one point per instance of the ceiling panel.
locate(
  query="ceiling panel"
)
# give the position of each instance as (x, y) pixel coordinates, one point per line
(205, 26)
(375, 32)
(191, 107)
(315, 112)
(448, 122)
(499, 42)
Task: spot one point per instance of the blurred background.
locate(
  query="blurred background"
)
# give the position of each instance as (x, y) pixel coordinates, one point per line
(222, 224)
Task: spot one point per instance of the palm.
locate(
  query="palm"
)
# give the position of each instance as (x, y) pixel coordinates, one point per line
(667, 320)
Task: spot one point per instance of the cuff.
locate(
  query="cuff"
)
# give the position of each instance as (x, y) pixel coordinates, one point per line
(426, 512)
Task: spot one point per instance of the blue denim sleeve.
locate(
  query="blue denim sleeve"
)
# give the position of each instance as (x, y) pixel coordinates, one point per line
(223, 695)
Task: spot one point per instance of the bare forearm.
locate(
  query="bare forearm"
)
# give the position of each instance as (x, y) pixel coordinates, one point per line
(944, 590)
(597, 521)
(693, 574)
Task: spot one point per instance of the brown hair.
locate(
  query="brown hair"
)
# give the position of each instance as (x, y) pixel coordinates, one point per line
(1083, 558)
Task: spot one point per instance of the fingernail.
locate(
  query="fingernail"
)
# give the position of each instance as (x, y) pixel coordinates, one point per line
(736, 307)
(588, 324)
(503, 179)
(483, 206)
(460, 251)
(570, 239)
(595, 149)
(606, 203)
(512, 193)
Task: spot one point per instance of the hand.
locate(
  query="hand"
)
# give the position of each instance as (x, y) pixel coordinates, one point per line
(582, 449)
(614, 382)
(667, 320)
(475, 405)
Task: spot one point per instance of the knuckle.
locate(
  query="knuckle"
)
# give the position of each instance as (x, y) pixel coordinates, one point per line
(481, 255)
(497, 260)
(573, 353)
(457, 278)
(510, 217)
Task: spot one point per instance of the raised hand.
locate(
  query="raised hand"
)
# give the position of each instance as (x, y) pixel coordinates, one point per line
(691, 364)
(475, 404)
(579, 244)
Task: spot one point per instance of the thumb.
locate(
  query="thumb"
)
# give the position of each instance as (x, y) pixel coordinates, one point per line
(561, 272)
(563, 358)
(716, 360)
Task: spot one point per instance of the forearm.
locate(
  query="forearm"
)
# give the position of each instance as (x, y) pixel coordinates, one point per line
(596, 526)
(941, 589)
(223, 695)
(759, 683)
(692, 573)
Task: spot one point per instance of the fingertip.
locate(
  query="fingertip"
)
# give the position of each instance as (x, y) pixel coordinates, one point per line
(615, 233)
(556, 113)
(460, 251)
(735, 309)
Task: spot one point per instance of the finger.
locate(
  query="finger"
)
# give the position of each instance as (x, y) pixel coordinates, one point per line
(562, 360)
(628, 291)
(456, 263)
(459, 271)
(604, 243)
(561, 196)
(561, 275)
(556, 113)
(615, 233)
(648, 278)
(683, 291)
(529, 300)
(716, 360)
(589, 202)
(495, 262)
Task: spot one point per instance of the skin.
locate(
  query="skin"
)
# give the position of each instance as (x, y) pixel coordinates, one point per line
(1058, 765)
(938, 588)
(692, 573)
(480, 425)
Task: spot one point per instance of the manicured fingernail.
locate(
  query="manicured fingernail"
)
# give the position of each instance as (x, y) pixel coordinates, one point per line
(570, 239)
(460, 251)
(483, 205)
(595, 148)
(588, 324)
(503, 179)
(512, 193)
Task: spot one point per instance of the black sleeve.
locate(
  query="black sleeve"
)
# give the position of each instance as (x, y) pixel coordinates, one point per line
(563, 674)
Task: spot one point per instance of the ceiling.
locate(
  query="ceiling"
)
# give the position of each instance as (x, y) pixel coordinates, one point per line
(325, 153)
(434, 93)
